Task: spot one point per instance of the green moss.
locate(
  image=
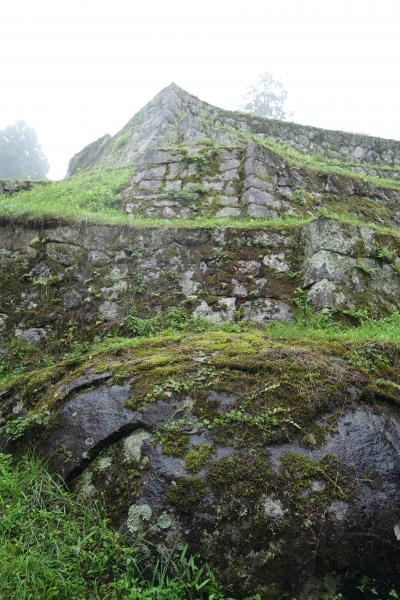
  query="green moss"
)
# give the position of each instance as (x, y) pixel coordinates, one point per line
(186, 493)
(197, 457)
(244, 476)
(277, 384)
(174, 444)
(313, 485)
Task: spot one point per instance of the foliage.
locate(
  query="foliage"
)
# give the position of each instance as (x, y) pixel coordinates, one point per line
(16, 428)
(321, 164)
(21, 157)
(384, 253)
(88, 196)
(120, 141)
(322, 326)
(266, 420)
(173, 320)
(202, 379)
(267, 98)
(93, 197)
(202, 159)
(299, 196)
(51, 546)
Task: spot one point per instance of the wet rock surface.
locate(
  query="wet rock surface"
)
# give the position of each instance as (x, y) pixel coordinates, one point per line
(248, 448)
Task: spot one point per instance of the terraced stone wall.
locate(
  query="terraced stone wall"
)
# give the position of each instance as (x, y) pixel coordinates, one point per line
(81, 281)
(246, 182)
(174, 116)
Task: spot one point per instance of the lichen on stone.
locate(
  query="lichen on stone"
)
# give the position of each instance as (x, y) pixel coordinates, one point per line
(139, 516)
(133, 444)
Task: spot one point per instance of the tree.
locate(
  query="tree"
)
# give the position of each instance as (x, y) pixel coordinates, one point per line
(267, 98)
(21, 157)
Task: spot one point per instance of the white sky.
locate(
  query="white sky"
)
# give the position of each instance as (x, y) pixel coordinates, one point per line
(76, 69)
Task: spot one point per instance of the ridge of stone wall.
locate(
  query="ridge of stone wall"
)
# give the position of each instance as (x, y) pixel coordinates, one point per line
(175, 116)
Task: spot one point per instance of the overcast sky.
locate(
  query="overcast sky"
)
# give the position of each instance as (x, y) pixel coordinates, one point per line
(76, 69)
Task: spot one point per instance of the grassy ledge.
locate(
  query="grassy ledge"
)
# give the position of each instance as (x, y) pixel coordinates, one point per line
(90, 196)
(158, 332)
(326, 166)
(316, 162)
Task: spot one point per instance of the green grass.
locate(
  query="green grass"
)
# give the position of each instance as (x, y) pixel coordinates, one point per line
(321, 164)
(349, 219)
(175, 324)
(316, 162)
(93, 197)
(53, 547)
(209, 222)
(305, 326)
(323, 327)
(90, 196)
(374, 166)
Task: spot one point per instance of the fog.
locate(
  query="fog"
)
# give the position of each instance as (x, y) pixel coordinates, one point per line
(75, 70)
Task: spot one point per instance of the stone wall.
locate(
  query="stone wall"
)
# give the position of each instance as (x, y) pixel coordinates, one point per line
(247, 181)
(332, 144)
(174, 116)
(85, 279)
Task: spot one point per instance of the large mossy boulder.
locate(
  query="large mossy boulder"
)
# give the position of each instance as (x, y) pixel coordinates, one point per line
(277, 461)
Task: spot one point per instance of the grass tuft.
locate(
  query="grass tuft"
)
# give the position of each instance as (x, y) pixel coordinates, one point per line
(51, 547)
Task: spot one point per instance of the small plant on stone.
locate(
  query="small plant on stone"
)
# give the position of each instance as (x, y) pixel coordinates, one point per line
(16, 428)
(361, 266)
(177, 319)
(299, 196)
(173, 276)
(293, 274)
(238, 315)
(302, 303)
(76, 351)
(385, 253)
(139, 327)
(136, 254)
(140, 287)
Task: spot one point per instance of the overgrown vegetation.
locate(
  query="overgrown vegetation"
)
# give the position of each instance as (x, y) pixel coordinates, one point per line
(315, 162)
(322, 164)
(174, 319)
(176, 322)
(89, 196)
(314, 326)
(52, 546)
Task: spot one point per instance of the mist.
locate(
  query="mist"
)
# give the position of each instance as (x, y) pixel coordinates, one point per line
(77, 70)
